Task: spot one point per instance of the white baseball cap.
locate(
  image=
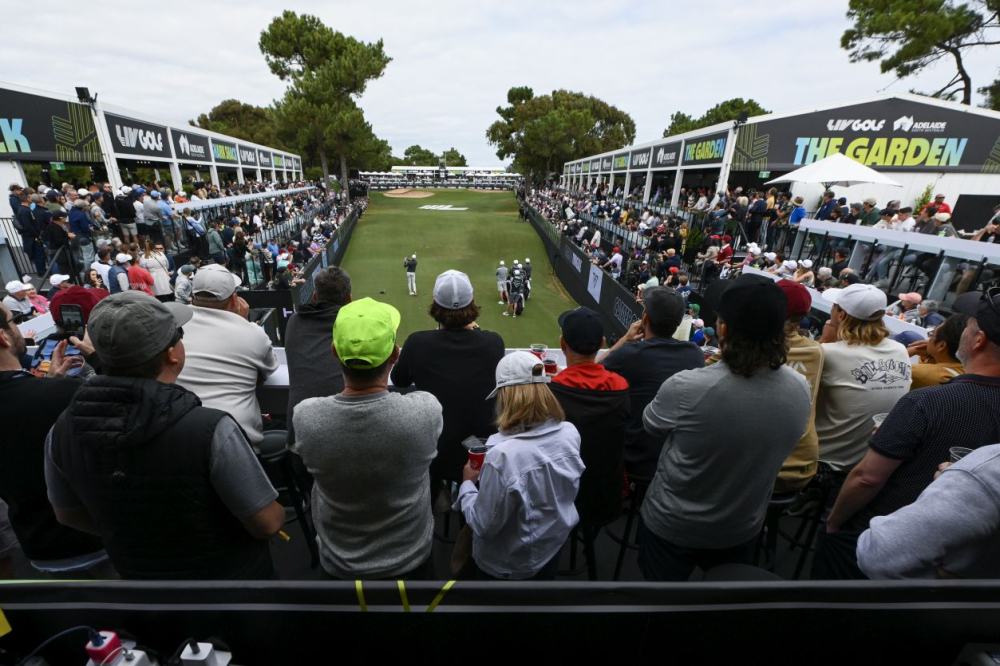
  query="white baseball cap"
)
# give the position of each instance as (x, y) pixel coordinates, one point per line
(126, 189)
(790, 264)
(216, 280)
(806, 263)
(123, 258)
(862, 301)
(771, 256)
(501, 262)
(15, 286)
(82, 192)
(453, 290)
(519, 367)
(57, 279)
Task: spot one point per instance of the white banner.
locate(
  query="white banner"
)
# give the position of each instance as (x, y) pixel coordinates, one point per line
(595, 281)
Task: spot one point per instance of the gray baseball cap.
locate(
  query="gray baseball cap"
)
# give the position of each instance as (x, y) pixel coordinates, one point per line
(132, 327)
(453, 290)
(215, 279)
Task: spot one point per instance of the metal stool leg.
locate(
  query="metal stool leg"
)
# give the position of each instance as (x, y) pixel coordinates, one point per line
(589, 536)
(292, 488)
(632, 510)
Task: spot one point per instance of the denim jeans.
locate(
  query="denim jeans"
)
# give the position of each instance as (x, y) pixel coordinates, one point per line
(662, 561)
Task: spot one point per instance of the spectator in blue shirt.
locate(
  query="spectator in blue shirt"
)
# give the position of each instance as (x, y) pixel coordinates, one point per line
(826, 210)
(79, 224)
(167, 216)
(798, 212)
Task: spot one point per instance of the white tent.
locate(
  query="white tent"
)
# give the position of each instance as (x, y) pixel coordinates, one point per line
(837, 169)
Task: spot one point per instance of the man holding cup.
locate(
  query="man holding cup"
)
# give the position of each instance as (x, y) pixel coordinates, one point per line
(917, 435)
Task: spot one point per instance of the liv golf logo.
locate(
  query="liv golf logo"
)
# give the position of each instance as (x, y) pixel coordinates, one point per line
(130, 137)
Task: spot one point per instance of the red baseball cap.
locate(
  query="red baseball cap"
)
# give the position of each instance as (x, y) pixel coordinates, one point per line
(799, 299)
(76, 295)
(674, 269)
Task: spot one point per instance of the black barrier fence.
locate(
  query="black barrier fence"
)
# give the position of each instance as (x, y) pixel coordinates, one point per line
(15, 247)
(585, 281)
(270, 623)
(331, 255)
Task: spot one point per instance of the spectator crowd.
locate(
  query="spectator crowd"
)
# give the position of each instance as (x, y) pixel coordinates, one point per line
(141, 456)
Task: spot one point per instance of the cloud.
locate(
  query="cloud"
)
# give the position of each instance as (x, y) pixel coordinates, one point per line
(453, 61)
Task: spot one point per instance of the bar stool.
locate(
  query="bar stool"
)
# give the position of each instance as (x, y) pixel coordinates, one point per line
(638, 487)
(825, 485)
(276, 460)
(767, 541)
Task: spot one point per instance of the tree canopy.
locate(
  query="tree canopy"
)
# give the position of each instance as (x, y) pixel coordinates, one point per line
(417, 155)
(453, 158)
(720, 113)
(906, 36)
(242, 121)
(327, 71)
(541, 133)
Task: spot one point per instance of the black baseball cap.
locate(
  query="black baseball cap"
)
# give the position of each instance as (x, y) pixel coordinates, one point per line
(753, 306)
(57, 214)
(582, 330)
(985, 307)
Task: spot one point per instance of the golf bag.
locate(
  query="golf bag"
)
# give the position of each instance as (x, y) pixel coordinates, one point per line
(517, 299)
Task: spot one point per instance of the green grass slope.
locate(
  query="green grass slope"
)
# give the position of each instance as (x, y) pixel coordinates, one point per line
(472, 241)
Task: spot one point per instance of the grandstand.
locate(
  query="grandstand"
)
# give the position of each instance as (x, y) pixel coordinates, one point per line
(474, 178)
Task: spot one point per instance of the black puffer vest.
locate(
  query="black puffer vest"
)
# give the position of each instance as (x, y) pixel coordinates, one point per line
(137, 453)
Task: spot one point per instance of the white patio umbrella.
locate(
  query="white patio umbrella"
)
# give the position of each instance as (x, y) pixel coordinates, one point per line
(837, 169)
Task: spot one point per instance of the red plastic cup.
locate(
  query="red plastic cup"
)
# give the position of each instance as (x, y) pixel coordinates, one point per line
(551, 367)
(539, 350)
(477, 454)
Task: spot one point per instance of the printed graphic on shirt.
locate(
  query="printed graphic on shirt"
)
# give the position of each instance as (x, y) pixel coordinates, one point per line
(887, 372)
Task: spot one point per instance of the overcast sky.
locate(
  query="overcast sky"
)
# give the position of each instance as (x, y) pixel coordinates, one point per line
(453, 61)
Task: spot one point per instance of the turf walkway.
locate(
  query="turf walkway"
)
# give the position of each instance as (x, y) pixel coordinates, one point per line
(472, 241)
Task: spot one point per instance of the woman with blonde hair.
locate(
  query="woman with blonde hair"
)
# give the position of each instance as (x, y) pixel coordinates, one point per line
(156, 262)
(804, 273)
(523, 509)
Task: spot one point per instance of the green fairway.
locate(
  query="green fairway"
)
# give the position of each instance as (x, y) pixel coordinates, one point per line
(472, 241)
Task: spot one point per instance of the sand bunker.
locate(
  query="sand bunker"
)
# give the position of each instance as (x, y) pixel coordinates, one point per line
(408, 194)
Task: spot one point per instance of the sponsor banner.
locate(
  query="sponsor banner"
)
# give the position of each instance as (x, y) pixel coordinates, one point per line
(265, 158)
(224, 152)
(248, 156)
(190, 147)
(279, 161)
(585, 167)
(639, 160)
(666, 155)
(595, 166)
(595, 281)
(706, 150)
(134, 137)
(43, 129)
(896, 134)
(620, 162)
(297, 164)
(606, 163)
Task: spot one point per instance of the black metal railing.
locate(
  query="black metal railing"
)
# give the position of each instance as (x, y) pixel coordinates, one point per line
(15, 247)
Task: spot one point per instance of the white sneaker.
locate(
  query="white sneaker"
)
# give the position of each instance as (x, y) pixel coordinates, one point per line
(515, 316)
(505, 314)
(500, 302)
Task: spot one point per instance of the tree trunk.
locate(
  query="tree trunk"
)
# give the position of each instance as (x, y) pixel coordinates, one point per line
(963, 74)
(322, 158)
(344, 186)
